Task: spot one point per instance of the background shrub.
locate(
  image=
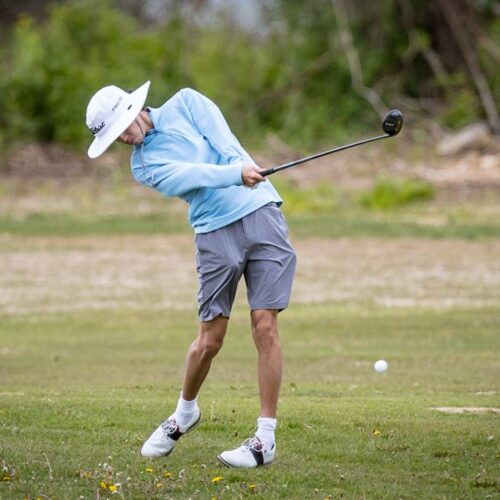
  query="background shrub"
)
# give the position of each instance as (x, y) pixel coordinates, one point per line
(391, 193)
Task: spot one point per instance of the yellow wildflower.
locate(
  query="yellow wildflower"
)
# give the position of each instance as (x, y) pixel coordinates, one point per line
(148, 469)
(103, 485)
(376, 432)
(167, 474)
(216, 479)
(112, 488)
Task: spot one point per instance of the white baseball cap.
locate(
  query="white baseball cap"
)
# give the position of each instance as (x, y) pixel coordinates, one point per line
(110, 112)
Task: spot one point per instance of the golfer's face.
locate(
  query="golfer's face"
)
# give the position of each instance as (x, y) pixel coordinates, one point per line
(132, 136)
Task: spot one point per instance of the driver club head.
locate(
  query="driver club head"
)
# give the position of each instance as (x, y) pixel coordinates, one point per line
(393, 122)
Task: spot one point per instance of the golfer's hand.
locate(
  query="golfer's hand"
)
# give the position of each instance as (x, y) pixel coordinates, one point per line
(250, 175)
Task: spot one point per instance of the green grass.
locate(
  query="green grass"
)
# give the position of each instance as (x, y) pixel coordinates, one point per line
(334, 224)
(81, 391)
(117, 208)
(63, 224)
(359, 224)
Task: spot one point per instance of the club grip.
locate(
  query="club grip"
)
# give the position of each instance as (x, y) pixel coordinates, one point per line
(268, 171)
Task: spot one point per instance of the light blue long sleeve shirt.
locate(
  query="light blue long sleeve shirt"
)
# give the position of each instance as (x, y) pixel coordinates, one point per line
(191, 153)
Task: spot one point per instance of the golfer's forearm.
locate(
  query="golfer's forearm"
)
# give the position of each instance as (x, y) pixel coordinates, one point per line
(177, 179)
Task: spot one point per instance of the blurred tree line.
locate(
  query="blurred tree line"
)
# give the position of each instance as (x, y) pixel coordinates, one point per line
(309, 71)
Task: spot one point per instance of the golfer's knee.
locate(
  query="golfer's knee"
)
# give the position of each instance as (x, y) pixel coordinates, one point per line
(265, 329)
(206, 347)
(209, 341)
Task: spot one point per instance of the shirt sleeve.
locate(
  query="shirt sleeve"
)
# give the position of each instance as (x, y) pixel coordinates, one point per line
(178, 178)
(211, 123)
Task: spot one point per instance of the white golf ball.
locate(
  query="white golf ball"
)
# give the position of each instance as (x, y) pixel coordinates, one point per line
(380, 366)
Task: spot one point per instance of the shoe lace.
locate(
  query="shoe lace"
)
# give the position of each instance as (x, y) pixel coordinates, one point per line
(253, 443)
(169, 426)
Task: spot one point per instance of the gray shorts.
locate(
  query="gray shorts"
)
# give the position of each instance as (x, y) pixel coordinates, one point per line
(256, 247)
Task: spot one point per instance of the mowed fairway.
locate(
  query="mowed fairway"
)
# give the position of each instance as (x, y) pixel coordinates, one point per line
(94, 331)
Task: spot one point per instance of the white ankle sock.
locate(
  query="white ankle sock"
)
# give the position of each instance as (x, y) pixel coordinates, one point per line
(265, 430)
(185, 410)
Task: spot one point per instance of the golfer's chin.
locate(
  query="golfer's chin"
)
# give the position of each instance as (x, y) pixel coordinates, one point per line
(131, 142)
(136, 142)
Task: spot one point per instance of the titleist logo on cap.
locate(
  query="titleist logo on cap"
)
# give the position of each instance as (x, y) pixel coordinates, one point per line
(95, 130)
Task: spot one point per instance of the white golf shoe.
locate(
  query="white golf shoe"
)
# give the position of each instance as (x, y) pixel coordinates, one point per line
(252, 453)
(163, 439)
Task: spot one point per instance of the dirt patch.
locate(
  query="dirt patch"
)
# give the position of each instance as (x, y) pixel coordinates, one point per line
(35, 161)
(156, 272)
(353, 169)
(473, 170)
(399, 273)
(59, 274)
(475, 410)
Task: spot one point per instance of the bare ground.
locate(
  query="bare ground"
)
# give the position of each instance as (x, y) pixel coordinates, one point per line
(59, 274)
(477, 167)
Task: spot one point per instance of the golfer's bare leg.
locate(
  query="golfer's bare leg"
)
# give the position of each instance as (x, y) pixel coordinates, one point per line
(270, 362)
(200, 355)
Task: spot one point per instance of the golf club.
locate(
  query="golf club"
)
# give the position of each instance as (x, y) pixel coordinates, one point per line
(391, 125)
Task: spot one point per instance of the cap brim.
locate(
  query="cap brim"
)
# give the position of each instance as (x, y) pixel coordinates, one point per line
(103, 141)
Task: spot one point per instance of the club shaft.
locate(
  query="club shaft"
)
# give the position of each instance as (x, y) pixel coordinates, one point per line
(273, 170)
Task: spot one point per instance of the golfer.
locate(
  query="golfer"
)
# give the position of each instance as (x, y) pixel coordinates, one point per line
(185, 148)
